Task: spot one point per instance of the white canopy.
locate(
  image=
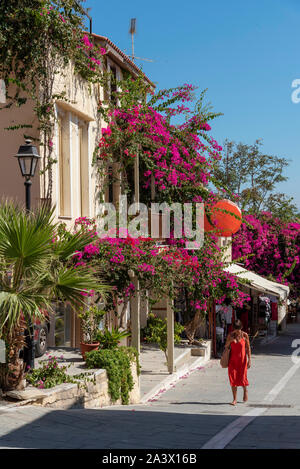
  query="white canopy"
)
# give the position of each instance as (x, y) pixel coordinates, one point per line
(259, 283)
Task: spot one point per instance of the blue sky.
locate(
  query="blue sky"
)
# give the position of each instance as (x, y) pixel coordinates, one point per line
(247, 53)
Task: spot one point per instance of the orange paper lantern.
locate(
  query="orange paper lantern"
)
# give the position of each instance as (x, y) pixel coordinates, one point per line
(224, 224)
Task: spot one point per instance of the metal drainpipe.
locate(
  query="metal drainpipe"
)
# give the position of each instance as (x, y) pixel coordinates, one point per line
(85, 12)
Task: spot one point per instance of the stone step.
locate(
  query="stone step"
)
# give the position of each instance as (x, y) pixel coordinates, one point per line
(198, 352)
(162, 385)
(183, 358)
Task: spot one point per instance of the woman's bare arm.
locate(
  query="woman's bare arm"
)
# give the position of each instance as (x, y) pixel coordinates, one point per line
(228, 340)
(248, 349)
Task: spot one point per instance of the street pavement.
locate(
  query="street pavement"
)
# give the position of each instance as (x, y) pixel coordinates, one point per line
(195, 413)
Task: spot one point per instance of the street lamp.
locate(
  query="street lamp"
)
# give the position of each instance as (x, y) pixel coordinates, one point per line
(28, 158)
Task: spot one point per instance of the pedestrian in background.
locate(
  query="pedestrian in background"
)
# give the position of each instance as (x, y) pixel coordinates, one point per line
(239, 360)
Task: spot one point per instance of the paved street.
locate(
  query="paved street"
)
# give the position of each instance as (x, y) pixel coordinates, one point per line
(195, 413)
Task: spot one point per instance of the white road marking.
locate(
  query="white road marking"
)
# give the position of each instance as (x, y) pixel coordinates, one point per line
(225, 436)
(281, 384)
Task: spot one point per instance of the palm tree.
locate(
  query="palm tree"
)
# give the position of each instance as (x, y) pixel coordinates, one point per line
(36, 269)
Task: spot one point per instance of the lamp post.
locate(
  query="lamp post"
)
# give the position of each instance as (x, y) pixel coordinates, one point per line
(28, 158)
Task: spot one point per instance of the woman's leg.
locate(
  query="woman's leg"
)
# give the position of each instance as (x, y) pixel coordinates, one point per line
(234, 393)
(245, 399)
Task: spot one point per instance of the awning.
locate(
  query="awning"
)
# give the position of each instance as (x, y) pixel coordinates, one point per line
(259, 283)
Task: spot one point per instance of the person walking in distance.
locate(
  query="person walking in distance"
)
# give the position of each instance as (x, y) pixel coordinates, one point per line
(239, 360)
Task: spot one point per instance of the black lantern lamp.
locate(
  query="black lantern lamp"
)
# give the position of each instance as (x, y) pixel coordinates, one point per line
(28, 158)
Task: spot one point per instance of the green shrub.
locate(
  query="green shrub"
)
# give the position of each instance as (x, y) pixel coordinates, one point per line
(116, 362)
(49, 375)
(110, 339)
(156, 332)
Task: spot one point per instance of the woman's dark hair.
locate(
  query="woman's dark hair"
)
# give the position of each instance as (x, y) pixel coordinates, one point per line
(238, 324)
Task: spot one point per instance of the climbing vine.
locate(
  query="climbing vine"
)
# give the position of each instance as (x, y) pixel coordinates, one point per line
(40, 39)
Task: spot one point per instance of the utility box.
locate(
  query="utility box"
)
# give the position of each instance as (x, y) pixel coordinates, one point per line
(2, 92)
(2, 352)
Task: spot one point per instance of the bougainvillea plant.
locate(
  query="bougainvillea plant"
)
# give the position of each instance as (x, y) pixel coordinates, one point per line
(176, 162)
(163, 270)
(270, 247)
(175, 159)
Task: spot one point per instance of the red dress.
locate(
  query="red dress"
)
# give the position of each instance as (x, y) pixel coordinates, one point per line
(237, 366)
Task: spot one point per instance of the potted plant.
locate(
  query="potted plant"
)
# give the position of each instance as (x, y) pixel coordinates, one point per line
(90, 320)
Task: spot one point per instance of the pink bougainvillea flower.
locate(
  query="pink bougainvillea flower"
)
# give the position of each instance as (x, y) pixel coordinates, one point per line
(106, 131)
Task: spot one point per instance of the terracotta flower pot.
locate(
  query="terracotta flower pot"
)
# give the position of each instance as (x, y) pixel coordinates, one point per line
(84, 348)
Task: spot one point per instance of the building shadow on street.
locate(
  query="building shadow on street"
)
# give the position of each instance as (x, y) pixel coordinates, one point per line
(133, 428)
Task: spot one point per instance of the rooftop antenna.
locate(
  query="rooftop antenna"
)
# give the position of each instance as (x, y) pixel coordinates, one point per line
(132, 31)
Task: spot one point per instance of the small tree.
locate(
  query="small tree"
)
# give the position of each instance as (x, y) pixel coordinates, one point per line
(251, 174)
(156, 332)
(90, 319)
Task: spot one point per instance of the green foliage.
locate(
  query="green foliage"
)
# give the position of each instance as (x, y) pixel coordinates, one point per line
(116, 362)
(133, 356)
(129, 93)
(281, 206)
(38, 40)
(90, 321)
(35, 270)
(33, 34)
(49, 375)
(110, 339)
(35, 267)
(156, 332)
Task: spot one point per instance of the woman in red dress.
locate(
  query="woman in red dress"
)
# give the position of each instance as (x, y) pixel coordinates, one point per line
(239, 361)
